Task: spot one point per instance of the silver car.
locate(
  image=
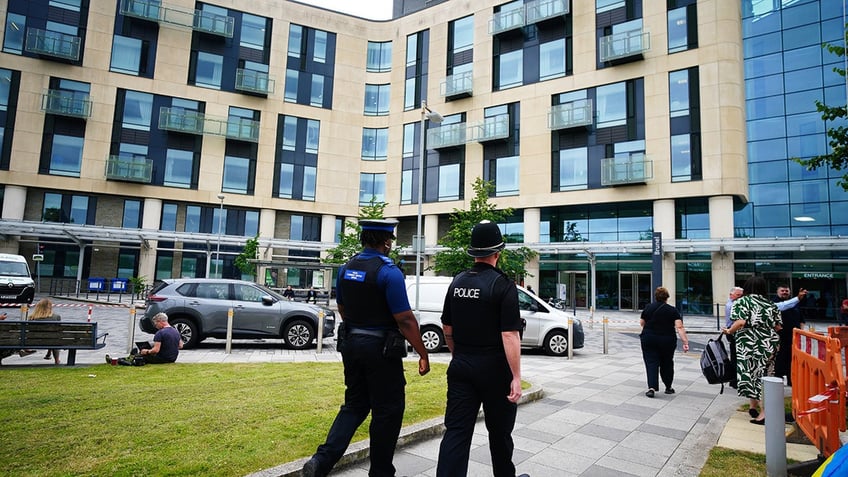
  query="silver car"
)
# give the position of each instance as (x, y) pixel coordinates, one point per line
(198, 309)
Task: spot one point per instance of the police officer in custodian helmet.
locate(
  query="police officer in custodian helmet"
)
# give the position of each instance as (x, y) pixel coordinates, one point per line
(372, 301)
(481, 322)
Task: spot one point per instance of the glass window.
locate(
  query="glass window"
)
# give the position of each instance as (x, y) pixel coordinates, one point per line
(449, 182)
(767, 86)
(132, 214)
(289, 133)
(463, 34)
(762, 45)
(764, 172)
(192, 223)
(72, 5)
(295, 40)
(552, 59)
(209, 69)
(411, 49)
(374, 143)
(510, 69)
(573, 164)
(291, 86)
(219, 220)
(320, 55)
(236, 175)
(66, 155)
(126, 265)
(803, 80)
(771, 216)
(309, 173)
(763, 65)
(678, 92)
(766, 129)
(316, 97)
(313, 132)
(252, 31)
(799, 58)
(677, 30)
(372, 186)
(126, 55)
(379, 56)
(611, 105)
(137, 110)
(52, 210)
(79, 209)
(759, 151)
(506, 173)
(406, 187)
(681, 158)
(13, 42)
(251, 223)
(169, 218)
(178, 168)
(409, 92)
(376, 99)
(768, 194)
(5, 85)
(286, 180)
(804, 124)
(765, 107)
(607, 5)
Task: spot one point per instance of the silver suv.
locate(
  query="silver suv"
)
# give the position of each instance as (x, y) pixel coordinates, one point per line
(198, 307)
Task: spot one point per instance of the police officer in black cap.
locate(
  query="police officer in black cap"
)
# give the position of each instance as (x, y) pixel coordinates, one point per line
(372, 301)
(481, 322)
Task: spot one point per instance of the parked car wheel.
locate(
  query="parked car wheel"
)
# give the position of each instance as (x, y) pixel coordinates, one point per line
(298, 334)
(556, 343)
(433, 339)
(188, 331)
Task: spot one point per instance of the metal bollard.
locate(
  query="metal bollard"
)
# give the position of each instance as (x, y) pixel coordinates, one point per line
(89, 313)
(570, 338)
(131, 331)
(606, 335)
(24, 312)
(320, 338)
(229, 330)
(775, 427)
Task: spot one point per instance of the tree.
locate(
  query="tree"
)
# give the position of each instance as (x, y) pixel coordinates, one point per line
(838, 157)
(349, 243)
(458, 238)
(248, 253)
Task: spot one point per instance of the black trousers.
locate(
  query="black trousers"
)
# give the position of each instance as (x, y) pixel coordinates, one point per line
(373, 384)
(474, 380)
(658, 354)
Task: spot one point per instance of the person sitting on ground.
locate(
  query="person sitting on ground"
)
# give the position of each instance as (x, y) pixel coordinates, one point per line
(43, 310)
(167, 342)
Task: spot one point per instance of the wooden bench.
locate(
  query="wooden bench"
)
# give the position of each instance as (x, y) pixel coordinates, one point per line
(43, 334)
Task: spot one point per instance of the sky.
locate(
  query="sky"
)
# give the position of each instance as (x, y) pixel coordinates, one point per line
(373, 9)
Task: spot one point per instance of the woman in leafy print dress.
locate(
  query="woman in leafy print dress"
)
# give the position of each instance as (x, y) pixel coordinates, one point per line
(755, 323)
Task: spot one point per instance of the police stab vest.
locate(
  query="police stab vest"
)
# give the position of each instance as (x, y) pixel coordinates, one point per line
(364, 301)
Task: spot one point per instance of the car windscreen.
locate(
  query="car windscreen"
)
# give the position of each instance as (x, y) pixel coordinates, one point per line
(13, 269)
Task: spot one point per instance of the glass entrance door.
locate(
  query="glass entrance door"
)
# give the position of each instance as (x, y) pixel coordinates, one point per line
(634, 290)
(576, 286)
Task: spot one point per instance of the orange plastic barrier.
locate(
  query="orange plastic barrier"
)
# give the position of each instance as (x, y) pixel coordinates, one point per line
(818, 389)
(841, 333)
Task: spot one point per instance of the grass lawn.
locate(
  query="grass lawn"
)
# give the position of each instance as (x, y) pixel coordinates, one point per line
(180, 419)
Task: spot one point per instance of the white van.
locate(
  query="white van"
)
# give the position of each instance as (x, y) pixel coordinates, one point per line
(547, 327)
(16, 283)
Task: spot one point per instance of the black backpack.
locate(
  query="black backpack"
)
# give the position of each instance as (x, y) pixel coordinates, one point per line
(716, 364)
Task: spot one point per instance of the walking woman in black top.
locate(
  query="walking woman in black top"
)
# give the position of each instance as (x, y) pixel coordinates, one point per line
(659, 321)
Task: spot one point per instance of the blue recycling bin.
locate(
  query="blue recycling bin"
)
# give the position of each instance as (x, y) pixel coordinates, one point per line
(119, 284)
(96, 284)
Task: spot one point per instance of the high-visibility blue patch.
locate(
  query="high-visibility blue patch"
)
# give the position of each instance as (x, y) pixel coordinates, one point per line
(355, 275)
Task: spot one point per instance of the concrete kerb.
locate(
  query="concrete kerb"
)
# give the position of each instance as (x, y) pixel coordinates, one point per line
(358, 451)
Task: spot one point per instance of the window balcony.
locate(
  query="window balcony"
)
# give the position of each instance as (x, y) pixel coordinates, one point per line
(635, 169)
(129, 168)
(492, 129)
(624, 45)
(505, 21)
(215, 24)
(143, 9)
(180, 120)
(457, 86)
(243, 129)
(449, 135)
(74, 104)
(569, 115)
(52, 43)
(254, 81)
(542, 10)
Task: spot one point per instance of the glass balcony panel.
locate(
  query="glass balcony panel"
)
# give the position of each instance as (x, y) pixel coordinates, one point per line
(254, 81)
(180, 120)
(493, 128)
(129, 168)
(66, 103)
(243, 129)
(214, 24)
(544, 9)
(144, 9)
(505, 21)
(52, 43)
(624, 45)
(446, 136)
(635, 169)
(457, 85)
(571, 115)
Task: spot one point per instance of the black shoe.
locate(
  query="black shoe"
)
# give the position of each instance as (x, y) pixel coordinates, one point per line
(753, 413)
(759, 422)
(108, 359)
(669, 390)
(310, 468)
(650, 393)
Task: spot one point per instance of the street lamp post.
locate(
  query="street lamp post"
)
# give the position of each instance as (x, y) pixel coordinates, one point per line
(220, 220)
(418, 242)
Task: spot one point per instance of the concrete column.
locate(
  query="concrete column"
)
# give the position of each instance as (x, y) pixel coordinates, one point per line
(721, 226)
(328, 235)
(14, 203)
(267, 225)
(151, 217)
(431, 236)
(664, 216)
(532, 233)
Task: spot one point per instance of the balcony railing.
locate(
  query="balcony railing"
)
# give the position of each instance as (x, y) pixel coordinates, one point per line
(541, 10)
(505, 21)
(624, 45)
(458, 85)
(180, 120)
(66, 103)
(492, 129)
(195, 19)
(570, 115)
(449, 135)
(254, 81)
(635, 169)
(133, 169)
(241, 129)
(53, 43)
